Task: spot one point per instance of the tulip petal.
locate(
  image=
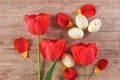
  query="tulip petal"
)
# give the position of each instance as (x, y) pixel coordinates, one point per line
(25, 54)
(63, 20)
(28, 17)
(63, 67)
(42, 21)
(101, 65)
(30, 25)
(21, 45)
(78, 11)
(88, 10)
(70, 24)
(97, 70)
(69, 73)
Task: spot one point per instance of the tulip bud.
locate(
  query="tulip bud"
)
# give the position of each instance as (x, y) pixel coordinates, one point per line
(81, 21)
(76, 33)
(68, 60)
(94, 25)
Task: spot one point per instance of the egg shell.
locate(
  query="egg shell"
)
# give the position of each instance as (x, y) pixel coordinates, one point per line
(75, 33)
(68, 60)
(94, 25)
(81, 21)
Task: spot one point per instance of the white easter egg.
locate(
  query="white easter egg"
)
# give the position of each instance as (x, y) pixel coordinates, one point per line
(76, 33)
(68, 60)
(81, 21)
(94, 25)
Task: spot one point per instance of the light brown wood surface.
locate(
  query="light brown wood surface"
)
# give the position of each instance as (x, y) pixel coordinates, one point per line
(14, 67)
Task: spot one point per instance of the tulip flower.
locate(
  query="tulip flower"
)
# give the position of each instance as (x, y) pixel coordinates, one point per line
(68, 60)
(101, 65)
(37, 25)
(21, 45)
(52, 50)
(69, 73)
(84, 54)
(63, 20)
(87, 10)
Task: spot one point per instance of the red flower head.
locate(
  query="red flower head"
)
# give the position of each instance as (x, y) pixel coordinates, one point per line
(21, 45)
(84, 53)
(63, 20)
(52, 49)
(101, 65)
(69, 73)
(37, 24)
(87, 10)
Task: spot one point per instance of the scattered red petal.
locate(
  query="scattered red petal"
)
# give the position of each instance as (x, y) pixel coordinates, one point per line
(69, 73)
(88, 10)
(21, 45)
(102, 63)
(62, 19)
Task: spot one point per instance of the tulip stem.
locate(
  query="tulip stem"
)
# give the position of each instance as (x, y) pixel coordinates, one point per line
(84, 72)
(39, 61)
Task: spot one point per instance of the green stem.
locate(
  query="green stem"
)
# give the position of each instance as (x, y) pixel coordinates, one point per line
(84, 72)
(39, 61)
(51, 76)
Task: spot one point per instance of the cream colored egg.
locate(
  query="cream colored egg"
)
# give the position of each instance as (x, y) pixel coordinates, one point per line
(81, 21)
(68, 60)
(94, 25)
(76, 33)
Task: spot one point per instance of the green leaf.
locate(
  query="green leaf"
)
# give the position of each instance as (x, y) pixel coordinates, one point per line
(50, 71)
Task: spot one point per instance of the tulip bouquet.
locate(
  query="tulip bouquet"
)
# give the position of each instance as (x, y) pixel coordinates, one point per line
(54, 50)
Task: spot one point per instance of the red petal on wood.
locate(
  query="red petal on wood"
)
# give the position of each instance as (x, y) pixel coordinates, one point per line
(102, 63)
(88, 10)
(62, 19)
(69, 73)
(21, 45)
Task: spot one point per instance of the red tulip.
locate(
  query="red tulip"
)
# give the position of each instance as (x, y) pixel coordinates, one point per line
(84, 53)
(101, 65)
(37, 24)
(87, 10)
(63, 20)
(69, 73)
(52, 49)
(21, 45)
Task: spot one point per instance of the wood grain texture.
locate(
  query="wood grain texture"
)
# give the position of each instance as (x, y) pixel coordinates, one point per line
(12, 25)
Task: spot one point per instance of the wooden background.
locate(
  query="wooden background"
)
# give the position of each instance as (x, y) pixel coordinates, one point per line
(14, 67)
